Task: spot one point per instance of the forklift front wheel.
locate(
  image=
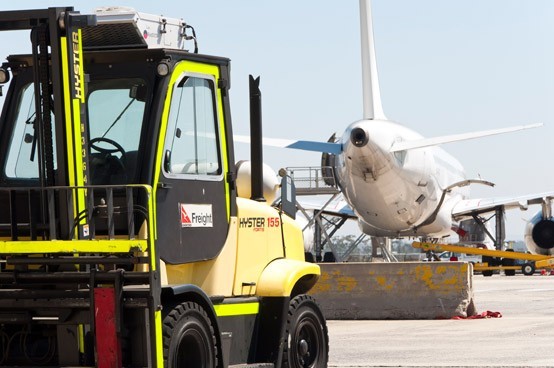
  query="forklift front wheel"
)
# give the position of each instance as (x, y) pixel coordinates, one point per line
(188, 337)
(307, 341)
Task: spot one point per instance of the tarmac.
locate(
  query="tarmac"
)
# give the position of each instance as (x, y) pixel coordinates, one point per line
(522, 337)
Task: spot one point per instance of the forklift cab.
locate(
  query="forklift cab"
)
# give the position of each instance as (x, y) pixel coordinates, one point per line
(144, 115)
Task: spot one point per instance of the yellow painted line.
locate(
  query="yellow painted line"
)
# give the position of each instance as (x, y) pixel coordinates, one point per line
(223, 137)
(67, 108)
(72, 246)
(78, 131)
(158, 340)
(151, 229)
(71, 168)
(238, 309)
(81, 339)
(79, 148)
(82, 74)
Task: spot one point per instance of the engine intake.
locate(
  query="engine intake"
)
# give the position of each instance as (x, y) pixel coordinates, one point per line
(359, 137)
(539, 235)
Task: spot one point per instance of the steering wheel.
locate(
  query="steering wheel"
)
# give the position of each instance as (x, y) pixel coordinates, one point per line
(109, 168)
(117, 147)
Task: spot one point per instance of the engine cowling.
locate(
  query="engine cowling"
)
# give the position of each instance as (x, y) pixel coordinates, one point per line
(328, 165)
(539, 235)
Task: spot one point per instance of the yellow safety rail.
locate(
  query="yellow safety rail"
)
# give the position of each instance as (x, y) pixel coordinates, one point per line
(480, 251)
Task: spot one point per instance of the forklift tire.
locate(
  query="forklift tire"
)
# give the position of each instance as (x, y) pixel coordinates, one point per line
(528, 269)
(188, 338)
(307, 341)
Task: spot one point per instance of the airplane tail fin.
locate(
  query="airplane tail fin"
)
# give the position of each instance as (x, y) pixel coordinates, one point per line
(426, 142)
(373, 108)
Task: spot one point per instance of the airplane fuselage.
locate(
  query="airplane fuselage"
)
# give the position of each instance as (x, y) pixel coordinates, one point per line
(397, 193)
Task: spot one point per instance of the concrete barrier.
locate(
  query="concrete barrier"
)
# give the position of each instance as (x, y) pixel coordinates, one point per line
(410, 290)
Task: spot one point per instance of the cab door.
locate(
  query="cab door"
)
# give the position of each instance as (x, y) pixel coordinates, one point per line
(192, 195)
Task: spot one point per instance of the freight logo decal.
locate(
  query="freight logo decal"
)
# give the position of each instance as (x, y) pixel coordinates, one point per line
(258, 223)
(196, 215)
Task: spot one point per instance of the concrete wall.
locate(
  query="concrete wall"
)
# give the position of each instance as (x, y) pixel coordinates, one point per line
(411, 290)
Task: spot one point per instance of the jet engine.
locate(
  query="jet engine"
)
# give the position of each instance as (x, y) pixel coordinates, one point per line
(328, 165)
(539, 234)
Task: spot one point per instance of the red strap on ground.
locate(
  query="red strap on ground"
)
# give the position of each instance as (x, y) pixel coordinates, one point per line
(487, 314)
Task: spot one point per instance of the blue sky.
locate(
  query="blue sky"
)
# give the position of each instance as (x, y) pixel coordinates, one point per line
(445, 67)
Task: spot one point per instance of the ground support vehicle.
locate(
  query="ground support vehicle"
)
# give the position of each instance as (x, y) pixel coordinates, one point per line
(495, 260)
(123, 242)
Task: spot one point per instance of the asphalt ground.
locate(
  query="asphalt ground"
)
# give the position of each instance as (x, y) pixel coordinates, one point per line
(522, 337)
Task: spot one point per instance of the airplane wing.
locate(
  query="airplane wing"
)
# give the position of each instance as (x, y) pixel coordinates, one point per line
(329, 147)
(336, 148)
(470, 207)
(426, 142)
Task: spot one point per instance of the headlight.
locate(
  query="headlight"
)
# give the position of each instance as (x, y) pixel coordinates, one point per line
(4, 76)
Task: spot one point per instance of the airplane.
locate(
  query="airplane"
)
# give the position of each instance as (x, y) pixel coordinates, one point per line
(400, 184)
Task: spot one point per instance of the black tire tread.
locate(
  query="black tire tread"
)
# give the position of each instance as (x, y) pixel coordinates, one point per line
(294, 305)
(174, 316)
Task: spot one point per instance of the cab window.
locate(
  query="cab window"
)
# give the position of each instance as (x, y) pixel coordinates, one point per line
(191, 146)
(22, 159)
(115, 119)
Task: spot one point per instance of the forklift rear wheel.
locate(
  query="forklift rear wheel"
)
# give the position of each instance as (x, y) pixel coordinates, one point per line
(528, 269)
(307, 341)
(189, 338)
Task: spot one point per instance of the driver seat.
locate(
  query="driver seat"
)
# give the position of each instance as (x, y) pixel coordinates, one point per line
(106, 169)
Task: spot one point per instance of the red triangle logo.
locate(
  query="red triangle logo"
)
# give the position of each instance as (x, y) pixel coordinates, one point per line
(185, 219)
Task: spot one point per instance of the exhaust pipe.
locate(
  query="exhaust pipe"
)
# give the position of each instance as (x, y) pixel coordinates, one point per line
(256, 153)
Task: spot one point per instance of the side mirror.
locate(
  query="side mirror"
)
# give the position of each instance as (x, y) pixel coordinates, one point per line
(288, 196)
(167, 161)
(138, 92)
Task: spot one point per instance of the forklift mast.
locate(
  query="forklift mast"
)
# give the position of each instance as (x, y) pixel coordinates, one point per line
(53, 32)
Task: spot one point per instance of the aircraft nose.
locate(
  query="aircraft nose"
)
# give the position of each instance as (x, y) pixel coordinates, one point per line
(359, 137)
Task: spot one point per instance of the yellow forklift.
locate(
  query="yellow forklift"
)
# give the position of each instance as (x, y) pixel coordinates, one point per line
(123, 241)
